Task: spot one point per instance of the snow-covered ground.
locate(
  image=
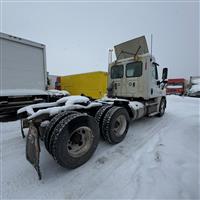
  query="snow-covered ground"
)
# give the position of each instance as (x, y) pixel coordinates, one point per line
(159, 159)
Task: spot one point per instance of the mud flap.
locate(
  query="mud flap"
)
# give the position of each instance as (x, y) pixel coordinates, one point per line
(33, 148)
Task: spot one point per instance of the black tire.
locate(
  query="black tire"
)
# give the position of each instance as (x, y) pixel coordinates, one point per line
(116, 116)
(99, 117)
(53, 134)
(69, 131)
(50, 127)
(162, 107)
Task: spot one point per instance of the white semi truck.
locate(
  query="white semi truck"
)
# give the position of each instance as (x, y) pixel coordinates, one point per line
(71, 126)
(194, 90)
(23, 77)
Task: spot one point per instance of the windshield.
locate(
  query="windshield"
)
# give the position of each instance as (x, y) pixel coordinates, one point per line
(117, 71)
(134, 69)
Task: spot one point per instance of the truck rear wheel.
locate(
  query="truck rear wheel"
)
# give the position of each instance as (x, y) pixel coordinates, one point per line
(76, 139)
(115, 124)
(50, 127)
(162, 107)
(100, 115)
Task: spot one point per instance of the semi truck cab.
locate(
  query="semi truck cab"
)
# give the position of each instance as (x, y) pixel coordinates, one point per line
(134, 74)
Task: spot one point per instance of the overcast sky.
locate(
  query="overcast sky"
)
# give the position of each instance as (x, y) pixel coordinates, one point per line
(78, 35)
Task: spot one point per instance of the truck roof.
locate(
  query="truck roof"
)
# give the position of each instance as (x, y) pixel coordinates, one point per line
(21, 40)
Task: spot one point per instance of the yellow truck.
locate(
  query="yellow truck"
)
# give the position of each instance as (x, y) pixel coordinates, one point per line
(92, 84)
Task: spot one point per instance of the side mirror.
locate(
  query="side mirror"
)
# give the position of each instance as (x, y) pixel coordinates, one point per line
(158, 82)
(164, 73)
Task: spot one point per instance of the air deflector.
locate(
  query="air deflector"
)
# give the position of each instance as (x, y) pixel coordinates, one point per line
(130, 48)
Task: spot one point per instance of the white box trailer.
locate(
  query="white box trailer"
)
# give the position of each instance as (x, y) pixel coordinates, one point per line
(23, 77)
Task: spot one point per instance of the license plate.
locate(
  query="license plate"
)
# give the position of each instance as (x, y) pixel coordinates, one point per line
(33, 148)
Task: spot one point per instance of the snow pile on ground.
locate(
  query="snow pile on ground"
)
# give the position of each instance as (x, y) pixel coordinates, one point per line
(158, 159)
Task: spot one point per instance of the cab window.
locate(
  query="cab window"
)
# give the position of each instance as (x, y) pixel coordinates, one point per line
(134, 69)
(117, 71)
(154, 72)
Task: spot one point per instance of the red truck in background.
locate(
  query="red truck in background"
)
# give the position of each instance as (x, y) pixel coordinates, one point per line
(176, 86)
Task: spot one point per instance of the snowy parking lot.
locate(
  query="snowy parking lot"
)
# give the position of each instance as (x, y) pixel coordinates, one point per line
(159, 159)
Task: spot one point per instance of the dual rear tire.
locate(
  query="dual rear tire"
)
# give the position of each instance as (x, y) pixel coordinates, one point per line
(72, 137)
(113, 123)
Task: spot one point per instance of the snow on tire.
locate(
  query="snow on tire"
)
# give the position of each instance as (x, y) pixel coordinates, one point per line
(100, 115)
(54, 121)
(115, 124)
(76, 139)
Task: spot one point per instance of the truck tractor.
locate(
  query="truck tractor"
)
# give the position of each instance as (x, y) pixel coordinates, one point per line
(71, 127)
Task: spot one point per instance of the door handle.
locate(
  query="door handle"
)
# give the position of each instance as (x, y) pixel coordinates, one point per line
(115, 86)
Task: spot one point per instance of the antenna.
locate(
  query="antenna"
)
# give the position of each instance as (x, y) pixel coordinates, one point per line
(151, 44)
(110, 56)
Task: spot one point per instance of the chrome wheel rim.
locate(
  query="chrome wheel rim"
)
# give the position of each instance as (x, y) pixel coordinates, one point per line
(80, 141)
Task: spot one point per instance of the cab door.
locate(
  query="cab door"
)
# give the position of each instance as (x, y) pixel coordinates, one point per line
(117, 76)
(155, 86)
(133, 74)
